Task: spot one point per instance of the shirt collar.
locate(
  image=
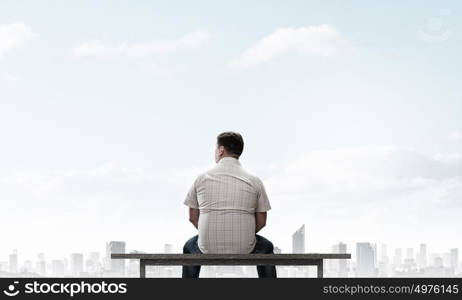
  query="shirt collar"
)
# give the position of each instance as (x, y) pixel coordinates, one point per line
(228, 160)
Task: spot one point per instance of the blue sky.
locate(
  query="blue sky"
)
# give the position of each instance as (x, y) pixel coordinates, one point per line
(393, 79)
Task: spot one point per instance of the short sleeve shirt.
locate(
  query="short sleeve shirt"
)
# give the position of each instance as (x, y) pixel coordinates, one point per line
(227, 197)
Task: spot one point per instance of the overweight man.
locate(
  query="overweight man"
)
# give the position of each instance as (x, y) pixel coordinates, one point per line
(228, 206)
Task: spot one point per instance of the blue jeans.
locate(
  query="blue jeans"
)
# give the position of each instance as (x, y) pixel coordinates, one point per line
(262, 246)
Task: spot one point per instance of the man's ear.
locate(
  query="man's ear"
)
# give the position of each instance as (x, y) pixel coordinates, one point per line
(221, 149)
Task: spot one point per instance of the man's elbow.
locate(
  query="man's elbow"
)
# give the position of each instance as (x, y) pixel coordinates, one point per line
(194, 216)
(262, 225)
(260, 218)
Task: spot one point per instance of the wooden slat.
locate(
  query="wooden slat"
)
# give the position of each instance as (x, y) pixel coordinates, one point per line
(232, 256)
(233, 262)
(231, 259)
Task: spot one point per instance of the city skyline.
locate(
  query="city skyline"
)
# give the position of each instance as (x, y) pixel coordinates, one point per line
(366, 262)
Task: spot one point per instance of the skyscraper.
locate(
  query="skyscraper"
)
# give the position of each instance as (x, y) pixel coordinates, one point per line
(57, 268)
(92, 264)
(168, 248)
(398, 257)
(41, 264)
(13, 261)
(298, 240)
(76, 263)
(365, 260)
(410, 253)
(454, 259)
(422, 257)
(339, 265)
(384, 254)
(115, 265)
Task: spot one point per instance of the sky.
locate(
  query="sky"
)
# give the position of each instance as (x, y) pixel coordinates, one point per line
(350, 112)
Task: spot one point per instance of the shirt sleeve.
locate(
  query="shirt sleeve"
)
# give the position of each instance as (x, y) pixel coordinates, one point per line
(191, 197)
(262, 201)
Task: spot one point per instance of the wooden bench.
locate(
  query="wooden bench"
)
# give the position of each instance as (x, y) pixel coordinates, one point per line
(312, 259)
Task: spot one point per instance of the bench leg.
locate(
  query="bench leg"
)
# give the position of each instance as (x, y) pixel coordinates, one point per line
(142, 268)
(320, 268)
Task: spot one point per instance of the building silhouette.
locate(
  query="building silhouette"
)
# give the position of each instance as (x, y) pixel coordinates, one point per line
(422, 257)
(365, 260)
(41, 264)
(339, 265)
(116, 266)
(454, 259)
(298, 240)
(76, 264)
(13, 261)
(398, 257)
(57, 268)
(168, 248)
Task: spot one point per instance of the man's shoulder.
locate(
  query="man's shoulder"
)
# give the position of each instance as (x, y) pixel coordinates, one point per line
(200, 177)
(218, 170)
(254, 179)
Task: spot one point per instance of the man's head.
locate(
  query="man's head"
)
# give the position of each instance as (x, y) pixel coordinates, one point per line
(229, 144)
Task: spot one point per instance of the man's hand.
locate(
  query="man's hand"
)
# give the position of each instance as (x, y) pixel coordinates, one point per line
(260, 221)
(194, 216)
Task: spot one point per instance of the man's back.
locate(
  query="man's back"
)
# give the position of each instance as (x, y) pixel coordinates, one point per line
(227, 197)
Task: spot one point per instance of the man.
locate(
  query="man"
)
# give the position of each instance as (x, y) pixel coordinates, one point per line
(228, 206)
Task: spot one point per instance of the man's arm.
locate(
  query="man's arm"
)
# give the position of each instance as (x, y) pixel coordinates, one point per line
(193, 203)
(260, 221)
(194, 216)
(263, 206)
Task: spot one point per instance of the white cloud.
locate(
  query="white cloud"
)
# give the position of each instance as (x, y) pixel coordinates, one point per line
(322, 40)
(449, 157)
(454, 136)
(383, 170)
(14, 35)
(71, 203)
(9, 78)
(165, 71)
(369, 194)
(349, 194)
(97, 50)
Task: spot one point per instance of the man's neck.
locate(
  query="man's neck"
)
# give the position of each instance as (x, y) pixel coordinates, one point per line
(229, 157)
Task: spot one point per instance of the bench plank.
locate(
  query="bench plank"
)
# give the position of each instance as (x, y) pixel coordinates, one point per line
(310, 259)
(250, 258)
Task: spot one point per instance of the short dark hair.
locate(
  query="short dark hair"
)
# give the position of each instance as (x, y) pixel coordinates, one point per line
(232, 141)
